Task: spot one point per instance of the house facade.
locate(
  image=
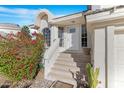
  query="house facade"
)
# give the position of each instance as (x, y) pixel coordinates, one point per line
(9, 28)
(105, 28)
(99, 30)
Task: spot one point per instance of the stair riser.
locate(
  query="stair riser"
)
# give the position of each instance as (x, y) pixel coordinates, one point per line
(66, 63)
(64, 73)
(82, 60)
(69, 81)
(64, 55)
(67, 68)
(65, 59)
(64, 70)
(74, 55)
(73, 70)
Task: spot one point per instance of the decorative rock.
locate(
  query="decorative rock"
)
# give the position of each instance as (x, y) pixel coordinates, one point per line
(6, 84)
(2, 80)
(41, 84)
(22, 84)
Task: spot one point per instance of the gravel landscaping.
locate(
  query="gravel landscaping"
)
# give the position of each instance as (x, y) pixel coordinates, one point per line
(38, 82)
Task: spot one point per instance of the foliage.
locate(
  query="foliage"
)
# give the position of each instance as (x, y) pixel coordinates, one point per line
(20, 56)
(26, 30)
(92, 76)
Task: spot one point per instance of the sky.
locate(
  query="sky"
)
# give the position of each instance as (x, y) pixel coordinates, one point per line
(26, 14)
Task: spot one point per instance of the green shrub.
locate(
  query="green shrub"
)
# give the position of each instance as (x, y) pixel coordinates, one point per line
(92, 75)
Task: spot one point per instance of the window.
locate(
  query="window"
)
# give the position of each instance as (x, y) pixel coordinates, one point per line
(84, 36)
(72, 30)
(60, 35)
(47, 35)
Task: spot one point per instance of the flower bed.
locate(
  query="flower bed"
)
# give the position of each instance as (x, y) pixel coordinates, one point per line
(20, 55)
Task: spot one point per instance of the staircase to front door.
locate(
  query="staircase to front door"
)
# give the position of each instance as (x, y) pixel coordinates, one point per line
(66, 62)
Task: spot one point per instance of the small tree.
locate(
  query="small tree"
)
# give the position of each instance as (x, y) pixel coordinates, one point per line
(26, 31)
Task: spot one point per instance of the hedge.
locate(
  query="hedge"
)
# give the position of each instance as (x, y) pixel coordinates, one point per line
(20, 55)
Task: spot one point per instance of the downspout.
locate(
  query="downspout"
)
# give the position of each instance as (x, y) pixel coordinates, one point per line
(106, 58)
(85, 14)
(89, 7)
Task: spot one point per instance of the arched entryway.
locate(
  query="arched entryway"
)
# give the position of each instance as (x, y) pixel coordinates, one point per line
(43, 18)
(42, 21)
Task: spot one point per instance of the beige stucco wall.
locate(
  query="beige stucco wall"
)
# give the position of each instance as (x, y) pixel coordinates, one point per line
(110, 25)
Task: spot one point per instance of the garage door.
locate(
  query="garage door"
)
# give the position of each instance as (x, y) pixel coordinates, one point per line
(119, 60)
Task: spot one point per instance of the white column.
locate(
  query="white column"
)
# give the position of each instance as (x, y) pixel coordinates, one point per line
(54, 33)
(99, 54)
(110, 55)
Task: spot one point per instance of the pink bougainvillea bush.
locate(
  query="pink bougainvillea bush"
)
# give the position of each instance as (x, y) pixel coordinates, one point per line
(20, 55)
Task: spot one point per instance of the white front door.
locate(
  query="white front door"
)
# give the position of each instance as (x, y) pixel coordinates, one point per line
(72, 37)
(119, 60)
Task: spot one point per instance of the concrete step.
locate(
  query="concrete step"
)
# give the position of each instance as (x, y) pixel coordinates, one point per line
(65, 67)
(53, 76)
(68, 63)
(82, 60)
(64, 59)
(66, 55)
(75, 56)
(74, 51)
(84, 51)
(81, 63)
(80, 56)
(73, 61)
(62, 72)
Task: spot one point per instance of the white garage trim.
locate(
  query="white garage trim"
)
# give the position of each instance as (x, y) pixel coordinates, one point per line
(104, 55)
(99, 54)
(110, 56)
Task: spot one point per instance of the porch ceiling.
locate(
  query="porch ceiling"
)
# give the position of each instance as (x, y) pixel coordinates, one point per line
(69, 20)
